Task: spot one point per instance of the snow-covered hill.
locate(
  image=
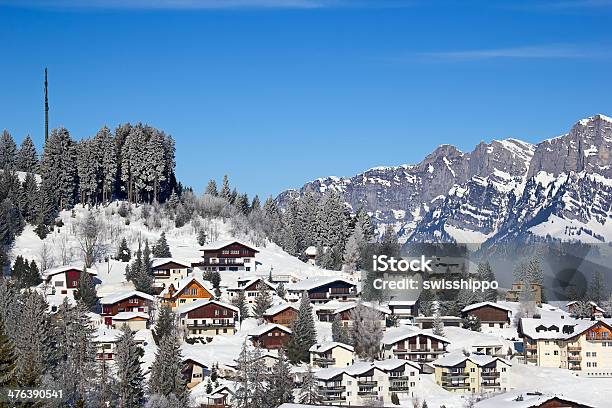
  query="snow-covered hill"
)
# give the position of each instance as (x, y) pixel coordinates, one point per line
(559, 188)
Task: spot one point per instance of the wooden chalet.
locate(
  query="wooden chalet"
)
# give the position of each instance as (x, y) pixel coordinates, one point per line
(283, 314)
(186, 290)
(490, 314)
(207, 317)
(131, 301)
(228, 256)
(270, 336)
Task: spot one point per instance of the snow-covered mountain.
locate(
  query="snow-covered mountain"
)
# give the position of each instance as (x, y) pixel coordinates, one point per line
(559, 188)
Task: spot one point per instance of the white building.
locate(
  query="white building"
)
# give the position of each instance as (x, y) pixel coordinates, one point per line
(331, 354)
(64, 280)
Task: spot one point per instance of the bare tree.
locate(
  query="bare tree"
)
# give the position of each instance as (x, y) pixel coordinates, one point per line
(88, 233)
(45, 255)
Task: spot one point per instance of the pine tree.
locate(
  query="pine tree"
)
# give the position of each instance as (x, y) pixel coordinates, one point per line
(255, 204)
(165, 325)
(141, 270)
(366, 331)
(309, 391)
(27, 159)
(123, 252)
(485, 273)
(58, 168)
(438, 325)
(202, 237)
(339, 332)
(19, 270)
(240, 303)
(471, 322)
(161, 248)
(86, 292)
(8, 358)
(8, 151)
(257, 378)
(281, 383)
(28, 198)
(304, 334)
(242, 203)
(167, 370)
(243, 395)
(107, 163)
(225, 190)
(11, 222)
(130, 380)
(352, 254)
(215, 279)
(597, 288)
(211, 188)
(281, 292)
(262, 301)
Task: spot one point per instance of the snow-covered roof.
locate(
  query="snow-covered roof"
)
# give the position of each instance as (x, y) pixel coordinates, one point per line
(279, 308)
(311, 251)
(130, 315)
(247, 281)
(327, 373)
(363, 367)
(267, 327)
(222, 244)
(522, 399)
(325, 347)
(395, 334)
(312, 283)
(157, 262)
(61, 269)
(402, 303)
(556, 328)
(352, 305)
(599, 309)
(455, 358)
(182, 283)
(117, 297)
(106, 335)
(481, 304)
(203, 302)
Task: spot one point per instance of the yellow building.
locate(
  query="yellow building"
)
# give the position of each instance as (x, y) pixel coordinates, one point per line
(331, 354)
(473, 373)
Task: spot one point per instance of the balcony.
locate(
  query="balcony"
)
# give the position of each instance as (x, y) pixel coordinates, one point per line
(324, 361)
(213, 325)
(367, 383)
(455, 385)
(490, 384)
(331, 389)
(598, 337)
(451, 375)
(490, 374)
(417, 350)
(531, 347)
(574, 357)
(574, 367)
(574, 348)
(318, 295)
(399, 388)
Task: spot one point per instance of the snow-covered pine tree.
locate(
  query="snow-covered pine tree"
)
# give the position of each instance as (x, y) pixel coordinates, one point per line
(281, 292)
(598, 292)
(240, 302)
(352, 254)
(363, 223)
(86, 292)
(28, 198)
(58, 167)
(262, 301)
(87, 166)
(141, 271)
(281, 382)
(130, 380)
(19, 270)
(123, 252)
(438, 325)
(485, 273)
(202, 237)
(225, 189)
(27, 159)
(211, 188)
(309, 391)
(8, 150)
(471, 322)
(167, 370)
(242, 203)
(366, 331)
(165, 324)
(155, 170)
(256, 203)
(11, 222)
(258, 381)
(242, 396)
(107, 162)
(306, 223)
(161, 249)
(339, 332)
(162, 401)
(304, 334)
(8, 358)
(215, 279)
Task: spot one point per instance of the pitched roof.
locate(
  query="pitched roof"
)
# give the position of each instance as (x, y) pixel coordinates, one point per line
(222, 244)
(117, 297)
(395, 334)
(106, 335)
(325, 347)
(180, 284)
(455, 358)
(312, 283)
(60, 269)
(371, 305)
(482, 304)
(251, 280)
(157, 262)
(363, 367)
(557, 328)
(522, 399)
(203, 302)
(279, 308)
(267, 327)
(130, 315)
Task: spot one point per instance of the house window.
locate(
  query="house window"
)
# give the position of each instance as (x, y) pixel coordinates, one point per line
(556, 353)
(216, 313)
(75, 283)
(472, 370)
(594, 354)
(59, 283)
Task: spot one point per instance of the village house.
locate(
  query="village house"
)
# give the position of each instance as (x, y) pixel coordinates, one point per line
(270, 336)
(220, 397)
(250, 287)
(324, 289)
(533, 399)
(344, 313)
(581, 345)
(596, 311)
(105, 340)
(186, 290)
(64, 280)
(427, 322)
(473, 373)
(368, 383)
(134, 320)
(130, 301)
(167, 270)
(514, 293)
(412, 344)
(489, 348)
(284, 314)
(231, 256)
(490, 314)
(206, 317)
(195, 370)
(331, 354)
(404, 309)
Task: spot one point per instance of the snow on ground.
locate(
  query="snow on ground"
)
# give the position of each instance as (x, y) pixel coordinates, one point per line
(466, 236)
(564, 229)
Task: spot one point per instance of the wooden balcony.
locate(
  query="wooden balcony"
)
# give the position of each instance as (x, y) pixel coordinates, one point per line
(451, 375)
(490, 374)
(367, 383)
(399, 388)
(574, 348)
(574, 357)
(324, 361)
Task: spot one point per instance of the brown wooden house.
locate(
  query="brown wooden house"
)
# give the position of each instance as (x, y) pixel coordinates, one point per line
(270, 336)
(283, 314)
(206, 317)
(489, 313)
(228, 256)
(132, 301)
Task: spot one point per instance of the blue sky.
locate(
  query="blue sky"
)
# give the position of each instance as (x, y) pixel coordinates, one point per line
(278, 92)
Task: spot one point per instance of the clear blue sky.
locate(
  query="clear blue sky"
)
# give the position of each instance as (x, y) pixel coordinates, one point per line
(278, 92)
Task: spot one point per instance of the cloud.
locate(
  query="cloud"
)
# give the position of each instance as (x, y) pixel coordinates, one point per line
(528, 52)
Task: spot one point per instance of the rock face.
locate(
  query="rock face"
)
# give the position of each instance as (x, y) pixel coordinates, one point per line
(560, 188)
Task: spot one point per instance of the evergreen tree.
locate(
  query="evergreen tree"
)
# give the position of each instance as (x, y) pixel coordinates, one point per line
(167, 370)
(309, 391)
(438, 325)
(165, 325)
(86, 292)
(8, 151)
(243, 395)
(58, 168)
(255, 204)
(471, 322)
(339, 332)
(8, 358)
(352, 254)
(19, 270)
(485, 273)
(262, 301)
(257, 379)
(123, 252)
(141, 271)
(242, 203)
(130, 380)
(225, 190)
(161, 248)
(28, 198)
(215, 279)
(26, 159)
(107, 163)
(281, 292)
(367, 331)
(202, 237)
(281, 383)
(11, 222)
(598, 292)
(240, 303)
(304, 334)
(211, 188)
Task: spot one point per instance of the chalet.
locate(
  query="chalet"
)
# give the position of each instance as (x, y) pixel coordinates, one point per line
(427, 322)
(412, 344)
(270, 336)
(250, 287)
(219, 398)
(331, 354)
(131, 301)
(324, 289)
(404, 309)
(490, 314)
(345, 312)
(195, 370)
(228, 256)
(284, 314)
(207, 317)
(166, 270)
(513, 294)
(105, 340)
(580, 345)
(186, 290)
(474, 373)
(596, 311)
(534, 399)
(64, 280)
(311, 254)
(134, 320)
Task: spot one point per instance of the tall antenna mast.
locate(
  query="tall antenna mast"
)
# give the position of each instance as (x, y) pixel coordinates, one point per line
(46, 108)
